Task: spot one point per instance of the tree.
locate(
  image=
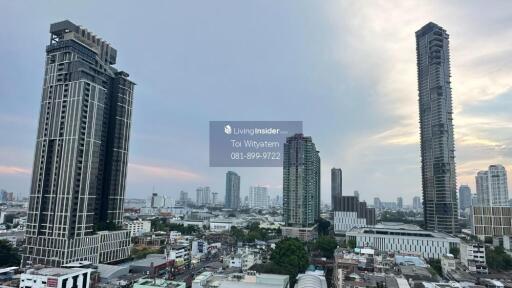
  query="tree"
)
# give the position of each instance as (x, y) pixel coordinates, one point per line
(291, 258)
(351, 243)
(498, 259)
(455, 251)
(326, 245)
(323, 226)
(9, 255)
(435, 267)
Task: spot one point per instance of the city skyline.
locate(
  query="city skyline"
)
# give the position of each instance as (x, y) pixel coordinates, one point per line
(375, 154)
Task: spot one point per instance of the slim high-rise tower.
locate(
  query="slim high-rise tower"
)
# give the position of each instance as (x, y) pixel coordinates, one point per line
(301, 182)
(436, 129)
(232, 197)
(336, 189)
(492, 187)
(81, 155)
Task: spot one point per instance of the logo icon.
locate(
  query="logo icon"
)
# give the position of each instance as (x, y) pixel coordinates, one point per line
(227, 129)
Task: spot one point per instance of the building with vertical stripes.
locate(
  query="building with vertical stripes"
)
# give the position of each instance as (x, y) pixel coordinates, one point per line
(81, 153)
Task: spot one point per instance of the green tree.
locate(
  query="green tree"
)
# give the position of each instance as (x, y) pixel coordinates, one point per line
(435, 267)
(9, 255)
(455, 251)
(351, 243)
(498, 259)
(290, 257)
(326, 245)
(323, 226)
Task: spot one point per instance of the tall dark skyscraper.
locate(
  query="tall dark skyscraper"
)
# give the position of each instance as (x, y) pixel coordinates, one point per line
(81, 155)
(436, 129)
(301, 182)
(232, 197)
(336, 188)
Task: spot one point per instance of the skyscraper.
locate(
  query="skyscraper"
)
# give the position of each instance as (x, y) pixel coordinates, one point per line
(215, 195)
(356, 193)
(492, 187)
(436, 129)
(464, 197)
(81, 155)
(258, 197)
(232, 198)
(336, 189)
(377, 204)
(416, 203)
(203, 195)
(400, 203)
(301, 182)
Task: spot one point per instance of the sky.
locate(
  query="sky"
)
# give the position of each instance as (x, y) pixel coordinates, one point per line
(347, 69)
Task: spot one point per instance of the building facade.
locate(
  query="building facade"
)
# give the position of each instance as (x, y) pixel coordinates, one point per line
(56, 277)
(492, 187)
(488, 221)
(353, 214)
(232, 197)
(336, 188)
(436, 130)
(416, 203)
(258, 197)
(301, 182)
(404, 239)
(81, 155)
(472, 256)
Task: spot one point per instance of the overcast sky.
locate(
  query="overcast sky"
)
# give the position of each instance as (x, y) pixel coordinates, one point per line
(347, 69)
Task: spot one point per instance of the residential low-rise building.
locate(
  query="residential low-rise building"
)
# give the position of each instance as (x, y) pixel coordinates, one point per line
(302, 233)
(158, 283)
(472, 256)
(219, 225)
(448, 263)
(180, 254)
(137, 227)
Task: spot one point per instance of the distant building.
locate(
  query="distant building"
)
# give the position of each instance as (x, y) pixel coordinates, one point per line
(356, 193)
(258, 197)
(464, 197)
(353, 214)
(416, 203)
(215, 198)
(400, 203)
(232, 197)
(336, 188)
(184, 199)
(203, 196)
(377, 203)
(492, 187)
(158, 201)
(436, 130)
(403, 238)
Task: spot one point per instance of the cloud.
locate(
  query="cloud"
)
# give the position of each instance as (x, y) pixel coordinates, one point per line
(162, 172)
(13, 170)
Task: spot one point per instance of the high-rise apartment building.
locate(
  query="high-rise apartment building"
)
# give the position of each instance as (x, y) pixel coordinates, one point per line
(336, 188)
(492, 187)
(301, 181)
(215, 196)
(464, 197)
(416, 203)
(184, 197)
(203, 195)
(399, 203)
(81, 155)
(436, 129)
(377, 204)
(353, 214)
(258, 197)
(232, 197)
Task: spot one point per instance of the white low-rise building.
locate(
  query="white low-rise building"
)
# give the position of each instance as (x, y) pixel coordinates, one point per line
(56, 278)
(137, 227)
(180, 254)
(220, 225)
(397, 237)
(472, 256)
